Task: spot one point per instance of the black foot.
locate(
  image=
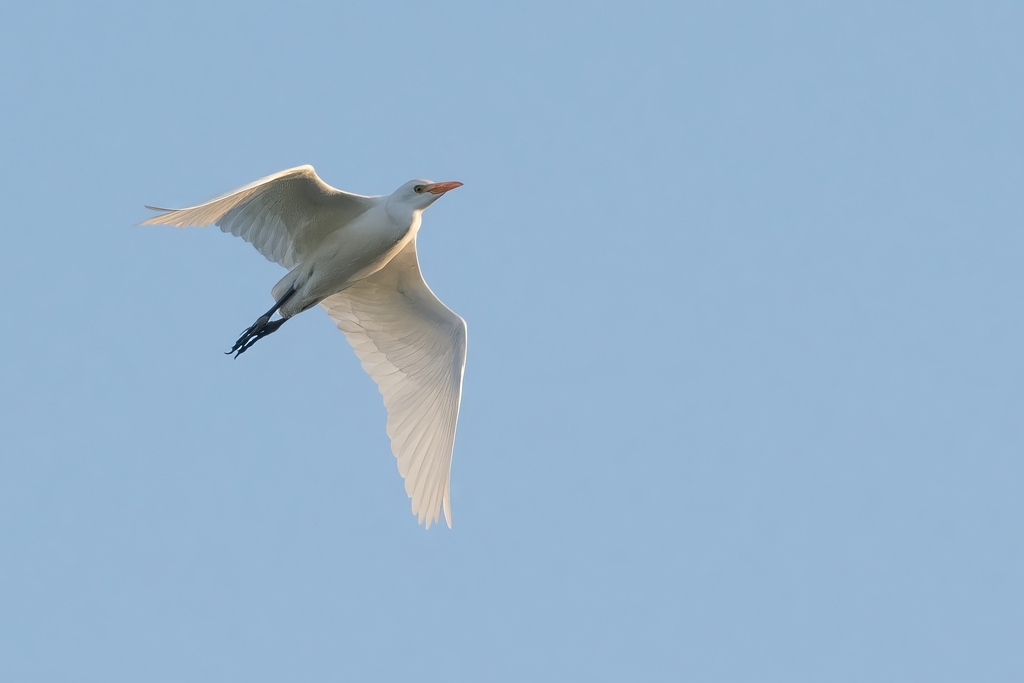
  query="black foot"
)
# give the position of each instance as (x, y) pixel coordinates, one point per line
(260, 329)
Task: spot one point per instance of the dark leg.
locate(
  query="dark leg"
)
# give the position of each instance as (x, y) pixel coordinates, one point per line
(261, 328)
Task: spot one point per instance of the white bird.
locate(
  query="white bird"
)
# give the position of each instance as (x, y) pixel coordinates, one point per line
(356, 257)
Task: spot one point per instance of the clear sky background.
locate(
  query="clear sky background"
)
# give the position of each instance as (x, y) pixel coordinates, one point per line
(744, 389)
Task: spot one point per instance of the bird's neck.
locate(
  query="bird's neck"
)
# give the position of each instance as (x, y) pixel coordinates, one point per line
(405, 216)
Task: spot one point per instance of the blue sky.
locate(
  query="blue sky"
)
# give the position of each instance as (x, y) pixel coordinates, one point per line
(744, 388)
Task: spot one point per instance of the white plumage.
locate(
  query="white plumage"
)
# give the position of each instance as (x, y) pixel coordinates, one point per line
(356, 257)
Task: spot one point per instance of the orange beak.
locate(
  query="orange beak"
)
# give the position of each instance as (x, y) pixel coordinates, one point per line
(441, 188)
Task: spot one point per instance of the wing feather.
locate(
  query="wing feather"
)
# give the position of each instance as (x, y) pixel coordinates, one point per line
(285, 216)
(414, 348)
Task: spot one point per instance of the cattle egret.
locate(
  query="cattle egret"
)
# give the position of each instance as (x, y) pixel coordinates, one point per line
(356, 257)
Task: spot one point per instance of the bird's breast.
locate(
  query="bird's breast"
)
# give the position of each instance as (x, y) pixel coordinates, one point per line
(356, 251)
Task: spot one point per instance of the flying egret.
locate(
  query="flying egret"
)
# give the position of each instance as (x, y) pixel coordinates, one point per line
(356, 257)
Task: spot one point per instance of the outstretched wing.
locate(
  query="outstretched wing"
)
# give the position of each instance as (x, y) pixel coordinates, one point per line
(285, 215)
(414, 348)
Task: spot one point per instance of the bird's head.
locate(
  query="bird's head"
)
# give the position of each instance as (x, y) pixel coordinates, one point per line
(419, 194)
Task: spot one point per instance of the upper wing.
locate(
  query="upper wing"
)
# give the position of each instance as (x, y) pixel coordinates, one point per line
(414, 348)
(285, 215)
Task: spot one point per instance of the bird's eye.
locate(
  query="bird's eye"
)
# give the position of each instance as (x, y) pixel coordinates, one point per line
(418, 189)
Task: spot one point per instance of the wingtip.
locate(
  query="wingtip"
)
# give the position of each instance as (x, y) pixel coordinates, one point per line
(425, 519)
(153, 220)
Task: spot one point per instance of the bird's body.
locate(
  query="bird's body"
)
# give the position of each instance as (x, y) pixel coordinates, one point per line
(349, 254)
(356, 256)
